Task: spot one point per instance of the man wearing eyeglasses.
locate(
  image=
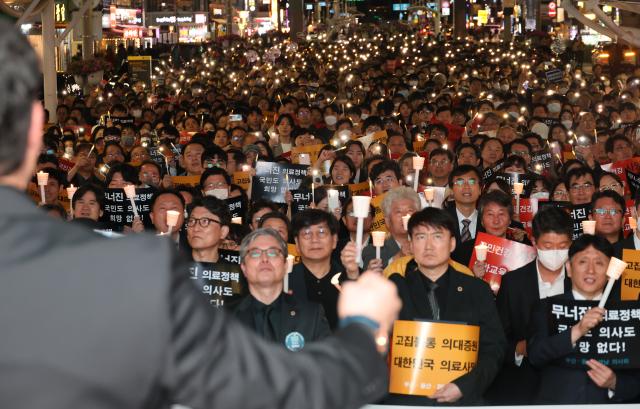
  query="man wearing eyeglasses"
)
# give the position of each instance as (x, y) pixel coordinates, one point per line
(385, 176)
(274, 315)
(316, 236)
(608, 211)
(581, 186)
(466, 183)
(215, 182)
(440, 166)
(207, 226)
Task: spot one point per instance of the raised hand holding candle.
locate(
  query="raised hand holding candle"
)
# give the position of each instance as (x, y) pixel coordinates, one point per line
(130, 191)
(290, 260)
(378, 238)
(481, 252)
(361, 211)
(614, 271)
(418, 164)
(43, 179)
(589, 227)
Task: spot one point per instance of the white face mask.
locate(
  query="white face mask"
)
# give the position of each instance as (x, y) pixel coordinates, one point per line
(514, 114)
(553, 259)
(68, 150)
(567, 124)
(554, 107)
(221, 194)
(504, 87)
(539, 195)
(364, 116)
(330, 120)
(136, 113)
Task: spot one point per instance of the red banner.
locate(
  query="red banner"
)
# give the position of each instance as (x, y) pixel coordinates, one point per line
(502, 256)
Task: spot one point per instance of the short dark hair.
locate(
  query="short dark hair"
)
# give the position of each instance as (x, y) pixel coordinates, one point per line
(88, 187)
(613, 195)
(214, 171)
(212, 152)
(498, 197)
(434, 218)
(129, 173)
(161, 192)
(552, 220)
(312, 217)
(462, 170)
(440, 152)
(347, 161)
(279, 216)
(608, 145)
(587, 240)
(384, 166)
(20, 84)
(577, 173)
(214, 206)
(259, 205)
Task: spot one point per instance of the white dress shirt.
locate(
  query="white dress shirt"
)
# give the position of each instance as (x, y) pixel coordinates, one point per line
(472, 226)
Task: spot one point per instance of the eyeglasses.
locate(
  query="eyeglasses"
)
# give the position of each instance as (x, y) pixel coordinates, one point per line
(611, 212)
(560, 193)
(216, 185)
(520, 153)
(443, 162)
(388, 179)
(612, 186)
(308, 234)
(584, 186)
(462, 182)
(271, 252)
(203, 222)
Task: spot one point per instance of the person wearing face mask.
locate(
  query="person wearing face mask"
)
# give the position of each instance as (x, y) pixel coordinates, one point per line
(554, 106)
(594, 383)
(215, 182)
(521, 290)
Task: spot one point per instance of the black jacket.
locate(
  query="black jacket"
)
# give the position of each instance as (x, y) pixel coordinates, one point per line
(469, 301)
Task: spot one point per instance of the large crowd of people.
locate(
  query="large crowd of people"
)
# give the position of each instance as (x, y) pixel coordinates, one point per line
(361, 103)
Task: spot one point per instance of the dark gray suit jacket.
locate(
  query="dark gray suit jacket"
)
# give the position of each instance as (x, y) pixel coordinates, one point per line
(89, 322)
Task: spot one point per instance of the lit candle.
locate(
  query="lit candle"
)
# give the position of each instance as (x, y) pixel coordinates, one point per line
(418, 163)
(405, 221)
(236, 220)
(172, 220)
(589, 227)
(481, 252)
(518, 187)
(290, 260)
(332, 199)
(71, 190)
(361, 211)
(614, 271)
(428, 195)
(43, 179)
(313, 192)
(378, 238)
(130, 191)
(370, 188)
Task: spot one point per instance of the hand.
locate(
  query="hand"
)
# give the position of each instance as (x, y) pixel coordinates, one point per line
(348, 259)
(449, 393)
(337, 212)
(167, 182)
(590, 320)
(137, 226)
(288, 197)
(371, 296)
(479, 268)
(601, 375)
(326, 155)
(521, 347)
(376, 265)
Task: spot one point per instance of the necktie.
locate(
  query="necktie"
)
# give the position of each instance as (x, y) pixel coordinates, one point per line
(267, 328)
(465, 234)
(433, 301)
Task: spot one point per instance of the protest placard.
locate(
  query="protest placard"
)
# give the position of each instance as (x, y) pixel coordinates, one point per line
(118, 211)
(219, 282)
(491, 172)
(361, 189)
(630, 279)
(541, 162)
(378, 216)
(502, 256)
(427, 355)
(242, 179)
(270, 182)
(237, 206)
(512, 177)
(613, 342)
(192, 181)
(312, 150)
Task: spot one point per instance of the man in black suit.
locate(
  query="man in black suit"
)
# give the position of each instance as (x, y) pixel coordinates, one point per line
(597, 384)
(607, 209)
(431, 290)
(271, 313)
(99, 323)
(520, 291)
(466, 183)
